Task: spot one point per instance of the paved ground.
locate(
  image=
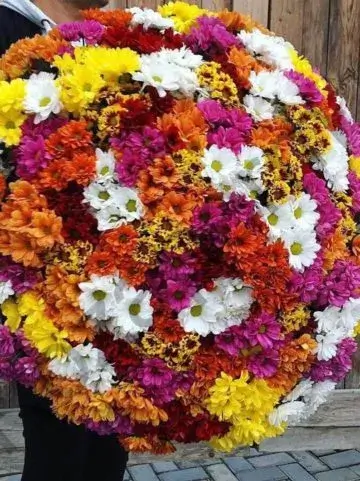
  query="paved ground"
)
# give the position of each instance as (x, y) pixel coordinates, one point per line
(301, 466)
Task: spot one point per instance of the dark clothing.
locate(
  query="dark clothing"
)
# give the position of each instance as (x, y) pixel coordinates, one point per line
(57, 450)
(13, 27)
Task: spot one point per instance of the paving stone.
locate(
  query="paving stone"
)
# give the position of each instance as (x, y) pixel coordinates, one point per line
(254, 452)
(237, 464)
(16, 477)
(143, 472)
(262, 474)
(271, 460)
(164, 466)
(220, 472)
(188, 464)
(342, 459)
(323, 452)
(356, 469)
(126, 476)
(295, 472)
(343, 474)
(310, 462)
(192, 474)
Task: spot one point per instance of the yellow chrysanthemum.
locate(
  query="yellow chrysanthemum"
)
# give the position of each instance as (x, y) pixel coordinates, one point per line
(302, 65)
(246, 404)
(12, 96)
(10, 310)
(182, 14)
(30, 305)
(10, 127)
(79, 88)
(354, 163)
(357, 329)
(111, 64)
(48, 340)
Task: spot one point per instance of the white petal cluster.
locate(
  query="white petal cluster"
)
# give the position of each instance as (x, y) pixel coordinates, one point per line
(275, 86)
(88, 365)
(6, 291)
(148, 18)
(344, 109)
(116, 307)
(42, 96)
(302, 402)
(272, 50)
(259, 108)
(294, 222)
(230, 173)
(213, 312)
(170, 71)
(334, 164)
(335, 324)
(112, 205)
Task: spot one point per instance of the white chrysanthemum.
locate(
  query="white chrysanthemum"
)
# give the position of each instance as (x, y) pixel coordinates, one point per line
(149, 19)
(270, 49)
(263, 84)
(105, 165)
(134, 313)
(129, 203)
(344, 108)
(328, 319)
(182, 57)
(300, 212)
(251, 161)
(236, 298)
(109, 217)
(339, 319)
(6, 291)
(290, 413)
(98, 297)
(334, 164)
(275, 220)
(100, 381)
(220, 165)
(64, 367)
(166, 73)
(318, 395)
(302, 247)
(259, 109)
(42, 96)
(327, 344)
(287, 91)
(300, 390)
(99, 194)
(350, 316)
(205, 314)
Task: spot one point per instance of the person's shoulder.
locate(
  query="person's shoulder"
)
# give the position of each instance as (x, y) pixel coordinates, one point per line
(14, 27)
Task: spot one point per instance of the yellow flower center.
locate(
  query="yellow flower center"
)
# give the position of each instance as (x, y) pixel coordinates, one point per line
(105, 170)
(99, 295)
(196, 311)
(249, 165)
(135, 309)
(273, 219)
(131, 205)
(296, 248)
(44, 102)
(298, 213)
(216, 165)
(156, 78)
(104, 195)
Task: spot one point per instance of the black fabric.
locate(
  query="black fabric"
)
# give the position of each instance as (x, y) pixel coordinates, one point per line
(59, 451)
(14, 27)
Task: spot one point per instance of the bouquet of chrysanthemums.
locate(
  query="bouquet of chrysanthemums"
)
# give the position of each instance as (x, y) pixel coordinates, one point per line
(178, 238)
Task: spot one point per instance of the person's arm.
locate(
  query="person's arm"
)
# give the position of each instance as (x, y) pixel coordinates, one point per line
(13, 27)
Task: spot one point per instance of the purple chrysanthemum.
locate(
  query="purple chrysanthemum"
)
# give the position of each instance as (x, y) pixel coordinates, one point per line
(154, 373)
(330, 215)
(22, 278)
(232, 340)
(307, 284)
(178, 293)
(340, 284)
(210, 37)
(230, 138)
(354, 184)
(174, 266)
(6, 370)
(336, 368)
(307, 87)
(238, 209)
(7, 348)
(263, 330)
(89, 30)
(26, 371)
(263, 363)
(31, 156)
(352, 131)
(121, 425)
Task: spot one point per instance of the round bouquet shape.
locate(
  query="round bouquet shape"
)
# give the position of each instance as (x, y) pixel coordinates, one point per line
(178, 238)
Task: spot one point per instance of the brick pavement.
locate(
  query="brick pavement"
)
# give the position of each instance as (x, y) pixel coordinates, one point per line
(295, 466)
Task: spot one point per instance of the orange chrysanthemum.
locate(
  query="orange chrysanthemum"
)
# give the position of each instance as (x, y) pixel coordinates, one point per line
(179, 206)
(121, 241)
(101, 263)
(163, 172)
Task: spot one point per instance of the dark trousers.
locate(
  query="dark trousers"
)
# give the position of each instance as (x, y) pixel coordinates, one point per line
(59, 451)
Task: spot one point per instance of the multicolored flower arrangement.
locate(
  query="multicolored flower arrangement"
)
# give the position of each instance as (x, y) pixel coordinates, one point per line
(179, 249)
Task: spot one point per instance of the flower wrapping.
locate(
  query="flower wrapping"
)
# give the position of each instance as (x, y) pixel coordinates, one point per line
(178, 238)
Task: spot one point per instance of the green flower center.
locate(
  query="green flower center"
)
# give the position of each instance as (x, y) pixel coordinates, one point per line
(104, 195)
(135, 309)
(87, 87)
(131, 205)
(262, 329)
(10, 125)
(216, 165)
(196, 311)
(273, 219)
(157, 78)
(296, 248)
(105, 170)
(44, 102)
(99, 295)
(298, 213)
(249, 165)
